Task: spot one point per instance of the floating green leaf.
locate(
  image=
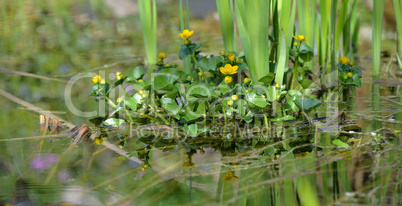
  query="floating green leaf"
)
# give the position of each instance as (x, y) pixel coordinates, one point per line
(191, 130)
(307, 104)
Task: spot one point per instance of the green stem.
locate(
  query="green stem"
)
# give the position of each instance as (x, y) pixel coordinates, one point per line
(224, 113)
(294, 71)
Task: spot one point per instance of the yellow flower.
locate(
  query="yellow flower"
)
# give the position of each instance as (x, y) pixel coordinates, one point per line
(143, 95)
(230, 176)
(295, 43)
(277, 85)
(229, 69)
(118, 77)
(231, 57)
(344, 60)
(118, 73)
(102, 81)
(235, 97)
(230, 102)
(350, 74)
(246, 80)
(186, 34)
(228, 79)
(352, 63)
(119, 100)
(263, 96)
(140, 92)
(162, 55)
(300, 38)
(96, 79)
(140, 80)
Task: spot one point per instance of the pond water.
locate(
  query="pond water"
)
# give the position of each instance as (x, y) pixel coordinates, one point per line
(289, 163)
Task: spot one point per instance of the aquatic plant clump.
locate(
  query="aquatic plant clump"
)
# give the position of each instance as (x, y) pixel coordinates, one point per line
(218, 88)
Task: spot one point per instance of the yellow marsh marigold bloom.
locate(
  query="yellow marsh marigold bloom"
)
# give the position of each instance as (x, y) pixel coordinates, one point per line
(162, 55)
(229, 69)
(230, 102)
(228, 79)
(344, 60)
(230, 176)
(300, 38)
(96, 79)
(235, 97)
(231, 57)
(186, 34)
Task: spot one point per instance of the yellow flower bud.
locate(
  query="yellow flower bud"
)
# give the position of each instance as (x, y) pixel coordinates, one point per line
(263, 96)
(228, 79)
(246, 80)
(187, 42)
(96, 79)
(118, 74)
(162, 55)
(140, 92)
(350, 74)
(200, 74)
(246, 91)
(238, 60)
(230, 102)
(345, 77)
(295, 43)
(118, 77)
(143, 95)
(98, 141)
(352, 63)
(231, 57)
(167, 65)
(222, 52)
(235, 97)
(119, 100)
(277, 85)
(102, 81)
(140, 80)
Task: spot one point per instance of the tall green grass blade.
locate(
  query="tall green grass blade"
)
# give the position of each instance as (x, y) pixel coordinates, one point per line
(307, 18)
(333, 72)
(378, 6)
(147, 11)
(341, 24)
(398, 16)
(323, 37)
(282, 60)
(184, 24)
(253, 18)
(225, 11)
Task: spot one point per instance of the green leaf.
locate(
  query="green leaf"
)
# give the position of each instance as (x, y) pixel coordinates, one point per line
(256, 100)
(339, 143)
(210, 64)
(241, 106)
(201, 90)
(306, 83)
(146, 84)
(267, 79)
(170, 105)
(191, 130)
(113, 122)
(175, 73)
(135, 74)
(162, 81)
(285, 118)
(131, 103)
(307, 104)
